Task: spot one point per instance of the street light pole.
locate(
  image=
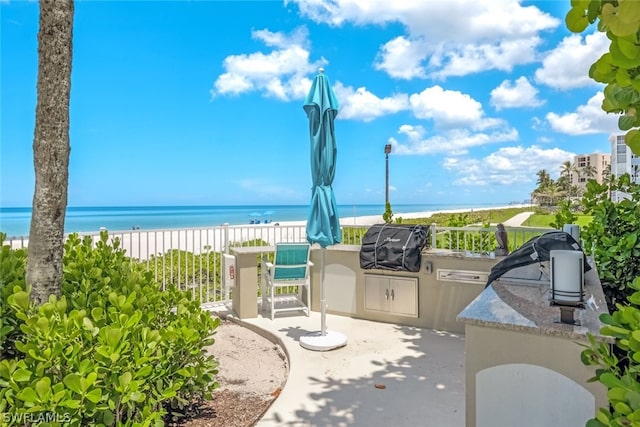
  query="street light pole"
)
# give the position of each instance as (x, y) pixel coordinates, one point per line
(387, 150)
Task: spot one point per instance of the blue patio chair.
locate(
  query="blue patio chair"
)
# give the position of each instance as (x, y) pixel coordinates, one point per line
(286, 285)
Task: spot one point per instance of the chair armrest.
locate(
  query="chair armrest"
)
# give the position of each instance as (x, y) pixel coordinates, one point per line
(269, 265)
(309, 263)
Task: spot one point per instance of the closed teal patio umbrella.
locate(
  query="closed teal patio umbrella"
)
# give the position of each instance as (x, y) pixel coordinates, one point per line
(323, 222)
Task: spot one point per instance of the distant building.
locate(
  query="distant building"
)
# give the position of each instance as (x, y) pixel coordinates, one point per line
(589, 166)
(623, 161)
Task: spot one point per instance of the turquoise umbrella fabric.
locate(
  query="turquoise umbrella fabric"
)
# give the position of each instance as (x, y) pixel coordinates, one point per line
(321, 106)
(323, 222)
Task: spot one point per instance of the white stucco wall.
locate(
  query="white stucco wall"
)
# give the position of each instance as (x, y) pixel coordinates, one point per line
(340, 288)
(526, 395)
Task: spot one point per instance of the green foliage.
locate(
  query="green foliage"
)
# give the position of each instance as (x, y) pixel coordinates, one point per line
(458, 220)
(12, 279)
(613, 233)
(544, 220)
(484, 216)
(618, 369)
(564, 215)
(478, 241)
(352, 235)
(113, 350)
(387, 216)
(483, 240)
(614, 236)
(619, 68)
(539, 220)
(250, 243)
(185, 269)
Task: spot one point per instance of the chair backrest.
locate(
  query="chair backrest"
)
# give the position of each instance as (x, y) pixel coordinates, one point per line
(291, 261)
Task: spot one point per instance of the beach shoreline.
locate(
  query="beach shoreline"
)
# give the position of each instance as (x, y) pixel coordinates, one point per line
(368, 220)
(142, 244)
(15, 222)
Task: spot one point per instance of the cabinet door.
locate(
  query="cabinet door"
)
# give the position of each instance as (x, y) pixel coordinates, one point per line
(376, 293)
(404, 296)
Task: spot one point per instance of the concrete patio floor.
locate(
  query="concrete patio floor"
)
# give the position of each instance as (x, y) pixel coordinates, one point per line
(422, 372)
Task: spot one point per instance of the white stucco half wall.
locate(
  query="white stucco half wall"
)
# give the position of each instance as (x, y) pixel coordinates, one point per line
(340, 288)
(527, 395)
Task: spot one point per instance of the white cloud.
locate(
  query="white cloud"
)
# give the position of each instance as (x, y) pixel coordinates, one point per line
(230, 83)
(453, 142)
(360, 104)
(279, 73)
(298, 86)
(537, 123)
(507, 166)
(544, 140)
(450, 109)
(510, 95)
(401, 58)
(469, 59)
(456, 37)
(567, 66)
(280, 40)
(459, 121)
(481, 20)
(587, 119)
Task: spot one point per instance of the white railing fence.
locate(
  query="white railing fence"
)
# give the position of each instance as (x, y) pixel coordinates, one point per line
(191, 258)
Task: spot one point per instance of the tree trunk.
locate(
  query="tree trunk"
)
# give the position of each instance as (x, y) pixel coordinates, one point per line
(50, 149)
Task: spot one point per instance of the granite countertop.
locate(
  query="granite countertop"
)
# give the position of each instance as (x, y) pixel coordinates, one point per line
(525, 307)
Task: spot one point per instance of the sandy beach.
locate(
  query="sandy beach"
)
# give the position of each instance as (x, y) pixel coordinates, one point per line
(143, 244)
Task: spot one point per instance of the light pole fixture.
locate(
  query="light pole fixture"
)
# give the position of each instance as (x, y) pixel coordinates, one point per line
(387, 150)
(567, 283)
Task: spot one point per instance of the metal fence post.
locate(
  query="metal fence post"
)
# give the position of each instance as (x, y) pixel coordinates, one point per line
(226, 238)
(434, 238)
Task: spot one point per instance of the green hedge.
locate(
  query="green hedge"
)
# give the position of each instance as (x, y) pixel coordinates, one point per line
(114, 349)
(613, 236)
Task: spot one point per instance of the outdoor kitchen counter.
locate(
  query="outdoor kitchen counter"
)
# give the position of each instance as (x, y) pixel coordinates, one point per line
(431, 297)
(520, 358)
(526, 307)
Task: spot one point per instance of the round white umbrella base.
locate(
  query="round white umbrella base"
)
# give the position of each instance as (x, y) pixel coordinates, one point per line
(318, 342)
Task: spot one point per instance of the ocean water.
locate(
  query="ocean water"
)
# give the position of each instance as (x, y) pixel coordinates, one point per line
(16, 221)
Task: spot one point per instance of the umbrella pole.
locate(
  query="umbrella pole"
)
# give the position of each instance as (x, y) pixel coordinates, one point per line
(323, 303)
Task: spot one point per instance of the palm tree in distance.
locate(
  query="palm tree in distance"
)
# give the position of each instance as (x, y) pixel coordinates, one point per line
(548, 191)
(606, 175)
(567, 168)
(564, 184)
(544, 178)
(576, 191)
(589, 171)
(555, 192)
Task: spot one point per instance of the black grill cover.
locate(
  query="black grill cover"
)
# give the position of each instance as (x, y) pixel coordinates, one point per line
(395, 247)
(536, 249)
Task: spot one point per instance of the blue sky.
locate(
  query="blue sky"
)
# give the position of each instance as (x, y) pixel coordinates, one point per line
(200, 102)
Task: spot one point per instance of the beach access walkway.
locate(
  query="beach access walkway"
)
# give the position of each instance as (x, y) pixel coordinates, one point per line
(517, 220)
